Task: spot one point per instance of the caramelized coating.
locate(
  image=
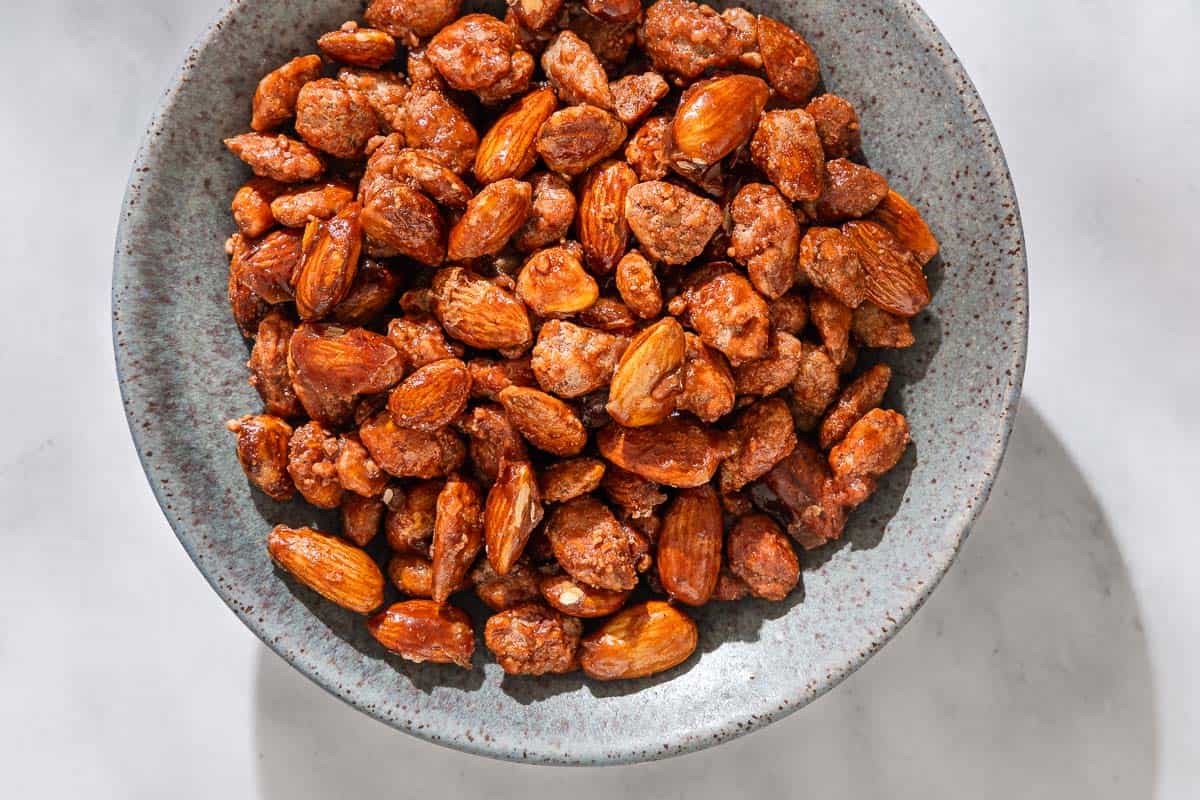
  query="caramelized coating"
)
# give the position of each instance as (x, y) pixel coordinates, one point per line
(602, 226)
(566, 480)
(411, 574)
(277, 157)
(649, 149)
(387, 92)
(553, 283)
(744, 26)
(248, 308)
(872, 446)
(837, 125)
(535, 15)
(296, 206)
(433, 178)
(478, 53)
(789, 313)
(894, 280)
(592, 545)
(335, 569)
(479, 313)
(816, 382)
(275, 97)
(798, 493)
(546, 422)
(361, 518)
(409, 520)
(671, 224)
(420, 340)
(635, 495)
(638, 285)
(787, 149)
(329, 264)
(851, 191)
(774, 371)
(251, 206)
(356, 471)
(502, 592)
(610, 41)
(434, 123)
(575, 138)
(689, 546)
(571, 360)
(635, 96)
(874, 327)
(686, 39)
(489, 378)
(399, 220)
(649, 376)
(406, 453)
(708, 385)
(490, 220)
(578, 599)
(791, 65)
(763, 435)
(860, 396)
(423, 630)
(766, 238)
(457, 535)
(331, 367)
(334, 118)
(551, 213)
(730, 587)
(830, 262)
(723, 308)
(373, 290)
(759, 554)
(431, 397)
(678, 452)
(508, 147)
(832, 321)
(575, 72)
(492, 440)
(906, 224)
(269, 367)
(267, 266)
(361, 47)
(312, 464)
(262, 450)
(533, 640)
(411, 20)
(609, 314)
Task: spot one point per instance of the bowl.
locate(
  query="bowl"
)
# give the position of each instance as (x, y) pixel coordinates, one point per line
(181, 361)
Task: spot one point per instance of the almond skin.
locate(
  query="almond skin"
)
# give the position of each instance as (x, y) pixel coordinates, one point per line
(906, 224)
(689, 546)
(508, 149)
(553, 283)
(791, 65)
(491, 218)
(578, 599)
(641, 640)
(335, 569)
(601, 224)
(331, 251)
(894, 280)
(715, 119)
(545, 421)
(513, 510)
(872, 446)
(432, 396)
(479, 313)
(648, 377)
(678, 452)
(362, 47)
(457, 535)
(422, 630)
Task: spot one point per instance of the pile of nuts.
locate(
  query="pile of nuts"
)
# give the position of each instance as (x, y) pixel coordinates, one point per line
(570, 309)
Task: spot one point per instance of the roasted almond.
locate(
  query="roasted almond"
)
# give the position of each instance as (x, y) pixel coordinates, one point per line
(411, 574)
(689, 546)
(531, 639)
(575, 138)
(277, 157)
(296, 207)
(479, 313)
(331, 367)
(457, 535)
(332, 567)
(678, 452)
(872, 446)
(502, 592)
(894, 280)
(791, 65)
(546, 422)
(638, 285)
(863, 394)
(906, 224)
(601, 224)
(648, 377)
(708, 385)
(432, 396)
(409, 521)
(714, 119)
(641, 640)
(362, 47)
(267, 266)
(491, 218)
(514, 508)
(361, 518)
(508, 149)
(432, 177)
(251, 206)
(759, 554)
(331, 251)
(422, 630)
(671, 224)
(593, 546)
(564, 480)
(578, 598)
(262, 449)
(407, 453)
(554, 283)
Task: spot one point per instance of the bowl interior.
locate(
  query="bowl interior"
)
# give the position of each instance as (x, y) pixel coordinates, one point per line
(181, 364)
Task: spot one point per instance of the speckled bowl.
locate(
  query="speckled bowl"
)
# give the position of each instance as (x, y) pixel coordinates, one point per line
(181, 366)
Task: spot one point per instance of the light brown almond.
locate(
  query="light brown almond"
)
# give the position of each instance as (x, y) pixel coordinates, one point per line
(553, 283)
(432, 396)
(546, 422)
(601, 224)
(906, 224)
(678, 452)
(689, 546)
(579, 599)
(330, 566)
(331, 251)
(514, 509)
(714, 119)
(894, 280)
(508, 149)
(422, 630)
(641, 640)
(457, 535)
(648, 377)
(479, 313)
(491, 218)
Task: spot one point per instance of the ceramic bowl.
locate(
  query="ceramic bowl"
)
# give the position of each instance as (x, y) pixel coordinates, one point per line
(182, 370)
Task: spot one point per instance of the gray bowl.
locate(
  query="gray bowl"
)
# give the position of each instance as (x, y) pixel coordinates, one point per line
(180, 362)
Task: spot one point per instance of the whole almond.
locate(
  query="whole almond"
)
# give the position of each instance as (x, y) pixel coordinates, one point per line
(422, 630)
(716, 118)
(872, 446)
(575, 138)
(579, 599)
(296, 207)
(564, 480)
(689, 546)
(362, 47)
(762, 557)
(508, 149)
(554, 283)
(641, 640)
(432, 396)
(545, 421)
(906, 224)
(262, 449)
(411, 574)
(678, 452)
(513, 510)
(457, 535)
(790, 64)
(330, 367)
(601, 224)
(479, 313)
(268, 265)
(502, 592)
(331, 251)
(330, 566)
(648, 377)
(491, 218)
(894, 280)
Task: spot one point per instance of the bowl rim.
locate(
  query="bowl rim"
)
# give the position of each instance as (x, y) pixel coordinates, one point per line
(717, 731)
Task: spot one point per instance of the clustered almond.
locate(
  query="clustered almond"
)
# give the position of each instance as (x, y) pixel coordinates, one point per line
(576, 328)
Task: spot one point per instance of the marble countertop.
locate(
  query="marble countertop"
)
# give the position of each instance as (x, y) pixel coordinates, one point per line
(1057, 660)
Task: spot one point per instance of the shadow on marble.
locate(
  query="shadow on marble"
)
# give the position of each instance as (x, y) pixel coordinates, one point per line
(1026, 675)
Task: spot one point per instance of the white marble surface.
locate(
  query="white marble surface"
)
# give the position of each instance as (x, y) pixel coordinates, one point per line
(1058, 659)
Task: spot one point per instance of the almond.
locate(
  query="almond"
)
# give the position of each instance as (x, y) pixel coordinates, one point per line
(277, 157)
(409, 521)
(638, 285)
(411, 574)
(432, 396)
(578, 599)
(502, 592)
(601, 224)
(362, 47)
(262, 449)
(554, 283)
(251, 206)
(641, 640)
(267, 266)
(513, 510)
(406, 453)
(331, 367)
(508, 149)
(491, 218)
(894, 280)
(689, 546)
(860, 396)
(546, 422)
(906, 224)
(432, 177)
(762, 557)
(593, 546)
(568, 479)
(872, 446)
(331, 251)
(708, 385)
(648, 377)
(678, 452)
(422, 630)
(787, 148)
(296, 207)
(575, 138)
(479, 313)
(874, 327)
(714, 119)
(671, 224)
(533, 640)
(791, 65)
(457, 535)
(332, 567)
